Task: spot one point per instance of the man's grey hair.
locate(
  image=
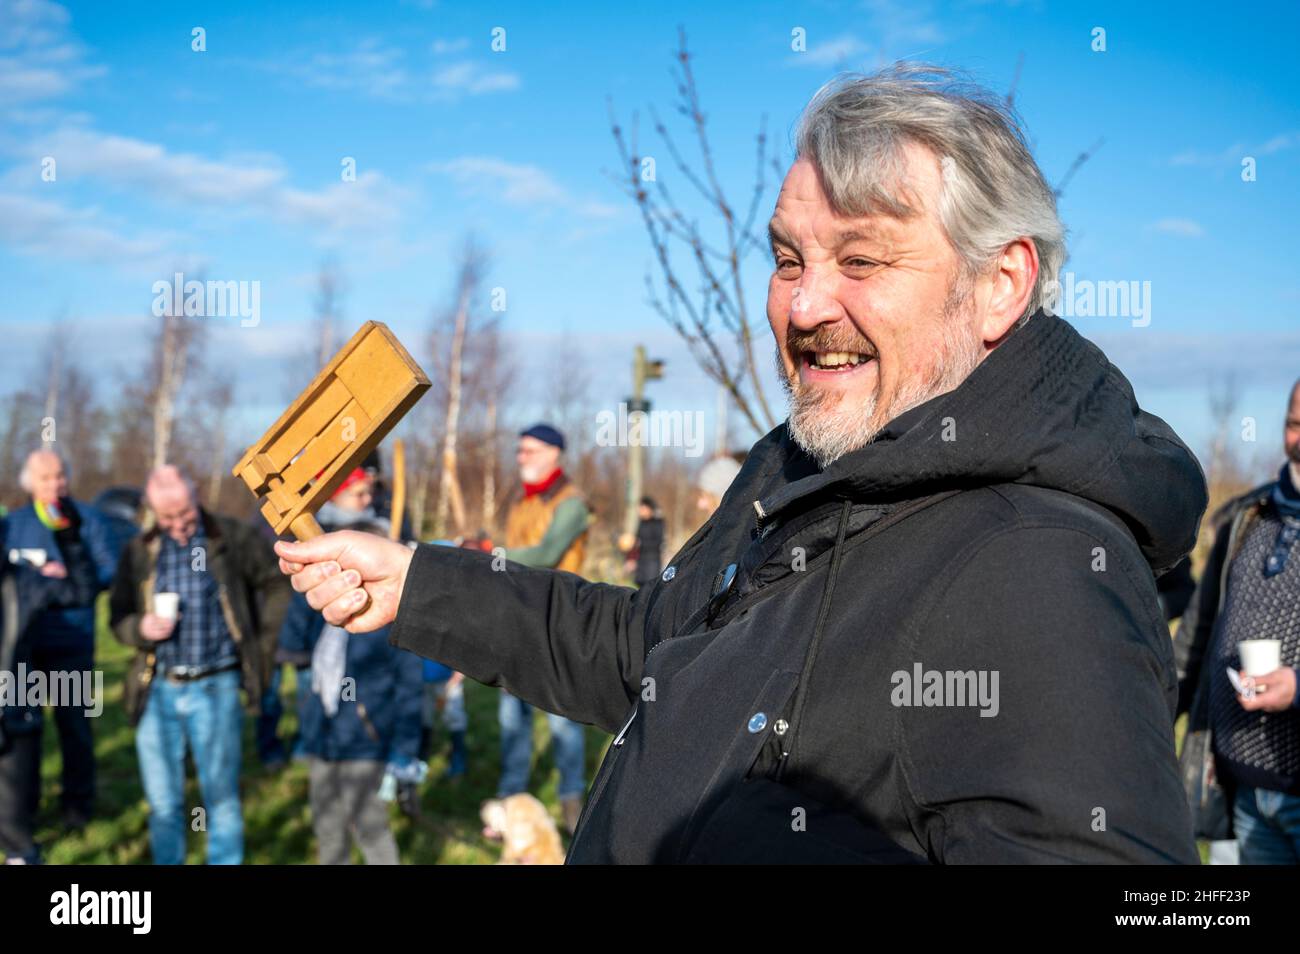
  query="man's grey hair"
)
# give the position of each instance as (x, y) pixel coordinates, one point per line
(25, 475)
(854, 130)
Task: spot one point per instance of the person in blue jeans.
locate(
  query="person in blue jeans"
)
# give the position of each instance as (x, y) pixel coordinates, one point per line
(568, 744)
(547, 522)
(1250, 590)
(204, 715)
(63, 638)
(200, 598)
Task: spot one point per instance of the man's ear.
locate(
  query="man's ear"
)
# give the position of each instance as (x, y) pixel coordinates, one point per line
(1010, 286)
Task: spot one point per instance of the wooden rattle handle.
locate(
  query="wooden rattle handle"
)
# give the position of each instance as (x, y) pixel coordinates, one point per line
(305, 527)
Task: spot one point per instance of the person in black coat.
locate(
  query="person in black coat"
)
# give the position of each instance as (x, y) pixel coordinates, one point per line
(26, 591)
(923, 623)
(645, 560)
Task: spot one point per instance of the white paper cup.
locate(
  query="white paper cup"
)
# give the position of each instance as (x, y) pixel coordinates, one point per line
(166, 605)
(1260, 656)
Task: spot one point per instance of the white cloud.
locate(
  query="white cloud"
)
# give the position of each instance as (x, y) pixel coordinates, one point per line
(1182, 227)
(382, 71)
(516, 184)
(40, 227)
(470, 77)
(252, 186)
(833, 53)
(442, 47)
(901, 26)
(1171, 359)
(39, 58)
(1233, 155)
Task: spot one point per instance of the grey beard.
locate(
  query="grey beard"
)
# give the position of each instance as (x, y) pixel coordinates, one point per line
(827, 425)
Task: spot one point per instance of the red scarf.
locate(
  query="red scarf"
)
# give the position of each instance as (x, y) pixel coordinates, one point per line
(531, 490)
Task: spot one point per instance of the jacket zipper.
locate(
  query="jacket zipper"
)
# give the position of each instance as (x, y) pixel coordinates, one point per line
(608, 772)
(618, 739)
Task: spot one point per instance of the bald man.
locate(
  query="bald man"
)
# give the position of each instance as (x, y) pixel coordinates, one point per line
(200, 598)
(63, 639)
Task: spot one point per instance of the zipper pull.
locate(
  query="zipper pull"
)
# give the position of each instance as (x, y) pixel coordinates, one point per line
(618, 740)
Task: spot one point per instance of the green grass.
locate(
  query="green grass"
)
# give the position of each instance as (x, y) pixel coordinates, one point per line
(277, 821)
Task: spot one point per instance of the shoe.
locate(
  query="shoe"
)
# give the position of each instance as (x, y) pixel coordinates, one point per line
(572, 808)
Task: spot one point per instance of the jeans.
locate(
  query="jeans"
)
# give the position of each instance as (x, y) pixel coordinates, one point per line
(204, 715)
(454, 717)
(269, 746)
(76, 744)
(1267, 824)
(567, 737)
(20, 779)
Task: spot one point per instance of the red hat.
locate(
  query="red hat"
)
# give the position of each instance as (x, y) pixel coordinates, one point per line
(358, 474)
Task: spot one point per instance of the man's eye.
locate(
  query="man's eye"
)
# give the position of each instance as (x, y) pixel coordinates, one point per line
(859, 262)
(786, 263)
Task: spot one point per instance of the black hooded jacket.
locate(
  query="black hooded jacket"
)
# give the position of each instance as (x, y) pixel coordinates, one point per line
(946, 646)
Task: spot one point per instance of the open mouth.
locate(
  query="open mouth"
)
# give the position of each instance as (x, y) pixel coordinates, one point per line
(835, 362)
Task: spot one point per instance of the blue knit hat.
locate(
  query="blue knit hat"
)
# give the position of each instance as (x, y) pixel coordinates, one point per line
(546, 434)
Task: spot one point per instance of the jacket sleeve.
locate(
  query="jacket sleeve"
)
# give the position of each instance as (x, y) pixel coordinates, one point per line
(297, 633)
(99, 542)
(124, 609)
(1072, 759)
(560, 642)
(262, 572)
(1197, 625)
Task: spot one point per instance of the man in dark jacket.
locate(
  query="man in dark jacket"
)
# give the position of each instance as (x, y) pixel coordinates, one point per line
(923, 623)
(1250, 589)
(645, 560)
(182, 689)
(25, 592)
(64, 638)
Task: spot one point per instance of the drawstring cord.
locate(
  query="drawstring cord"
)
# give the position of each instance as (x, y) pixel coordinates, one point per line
(801, 694)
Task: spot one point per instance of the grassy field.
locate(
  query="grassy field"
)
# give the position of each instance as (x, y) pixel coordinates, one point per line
(277, 823)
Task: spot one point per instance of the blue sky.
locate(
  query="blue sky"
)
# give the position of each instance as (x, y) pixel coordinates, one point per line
(228, 160)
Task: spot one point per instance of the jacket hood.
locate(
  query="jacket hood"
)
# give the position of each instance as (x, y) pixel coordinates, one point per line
(1047, 409)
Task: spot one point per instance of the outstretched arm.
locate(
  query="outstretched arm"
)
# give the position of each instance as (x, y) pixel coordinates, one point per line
(563, 643)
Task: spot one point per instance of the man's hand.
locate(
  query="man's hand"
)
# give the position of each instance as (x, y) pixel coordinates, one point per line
(1274, 692)
(54, 570)
(156, 628)
(337, 571)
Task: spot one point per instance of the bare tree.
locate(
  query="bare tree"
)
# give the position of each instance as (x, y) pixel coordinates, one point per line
(217, 401)
(566, 391)
(450, 498)
(177, 342)
(329, 289)
(726, 354)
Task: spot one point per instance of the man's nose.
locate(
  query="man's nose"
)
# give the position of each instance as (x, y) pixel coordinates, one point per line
(813, 301)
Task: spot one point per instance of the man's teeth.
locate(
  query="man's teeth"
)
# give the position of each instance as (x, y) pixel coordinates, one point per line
(833, 359)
